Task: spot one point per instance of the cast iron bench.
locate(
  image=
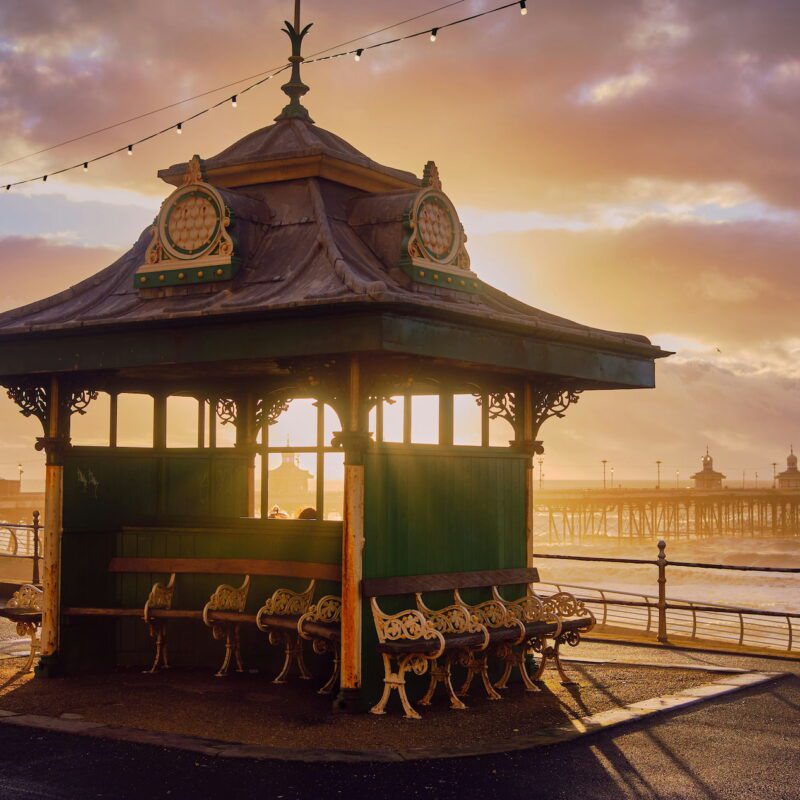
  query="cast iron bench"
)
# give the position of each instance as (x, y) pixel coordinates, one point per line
(467, 634)
(224, 612)
(25, 609)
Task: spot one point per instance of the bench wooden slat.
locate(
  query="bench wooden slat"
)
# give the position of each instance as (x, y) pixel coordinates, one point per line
(102, 612)
(166, 613)
(444, 581)
(228, 566)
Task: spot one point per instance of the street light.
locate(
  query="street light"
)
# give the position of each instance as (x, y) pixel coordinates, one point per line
(604, 462)
(20, 470)
(774, 473)
(658, 482)
(677, 478)
(541, 473)
(612, 477)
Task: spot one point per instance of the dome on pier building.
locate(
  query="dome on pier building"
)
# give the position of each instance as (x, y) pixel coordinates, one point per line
(708, 477)
(790, 477)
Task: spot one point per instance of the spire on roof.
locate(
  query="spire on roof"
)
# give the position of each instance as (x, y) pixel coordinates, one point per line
(295, 88)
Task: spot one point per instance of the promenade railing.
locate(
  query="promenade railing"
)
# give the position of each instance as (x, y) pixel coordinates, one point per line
(23, 540)
(676, 621)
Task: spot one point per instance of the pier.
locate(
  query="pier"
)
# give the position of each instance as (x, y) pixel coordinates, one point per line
(572, 517)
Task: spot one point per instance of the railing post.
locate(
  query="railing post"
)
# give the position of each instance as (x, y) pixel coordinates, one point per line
(662, 592)
(35, 576)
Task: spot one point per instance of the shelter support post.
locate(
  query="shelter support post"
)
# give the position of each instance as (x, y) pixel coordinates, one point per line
(354, 441)
(53, 443)
(246, 436)
(527, 428)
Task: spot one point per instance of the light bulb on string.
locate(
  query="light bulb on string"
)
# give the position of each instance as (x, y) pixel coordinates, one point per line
(179, 128)
(434, 31)
(523, 7)
(130, 149)
(233, 102)
(358, 53)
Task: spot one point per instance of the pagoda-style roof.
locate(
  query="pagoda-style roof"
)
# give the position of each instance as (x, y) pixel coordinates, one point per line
(292, 221)
(294, 148)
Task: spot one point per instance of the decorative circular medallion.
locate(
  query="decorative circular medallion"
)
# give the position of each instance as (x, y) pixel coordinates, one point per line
(438, 227)
(190, 224)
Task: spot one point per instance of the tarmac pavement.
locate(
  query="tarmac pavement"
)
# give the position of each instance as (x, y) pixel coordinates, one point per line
(742, 746)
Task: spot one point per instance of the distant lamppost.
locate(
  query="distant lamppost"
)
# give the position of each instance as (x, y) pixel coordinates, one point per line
(541, 474)
(677, 478)
(612, 477)
(743, 471)
(604, 462)
(774, 474)
(756, 480)
(658, 482)
(21, 471)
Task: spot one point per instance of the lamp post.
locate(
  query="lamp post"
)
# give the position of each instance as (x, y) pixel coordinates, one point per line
(677, 478)
(658, 481)
(604, 462)
(21, 471)
(756, 480)
(612, 477)
(774, 474)
(541, 474)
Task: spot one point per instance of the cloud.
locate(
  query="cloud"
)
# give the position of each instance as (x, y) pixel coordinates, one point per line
(747, 422)
(733, 285)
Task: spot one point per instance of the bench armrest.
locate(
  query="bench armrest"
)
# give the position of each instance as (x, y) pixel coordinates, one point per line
(160, 597)
(408, 625)
(453, 619)
(28, 598)
(565, 605)
(227, 598)
(285, 602)
(529, 608)
(327, 610)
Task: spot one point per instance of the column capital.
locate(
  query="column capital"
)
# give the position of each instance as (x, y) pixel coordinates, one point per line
(54, 447)
(355, 445)
(528, 447)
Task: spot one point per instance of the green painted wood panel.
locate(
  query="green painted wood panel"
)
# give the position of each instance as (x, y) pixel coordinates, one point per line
(430, 510)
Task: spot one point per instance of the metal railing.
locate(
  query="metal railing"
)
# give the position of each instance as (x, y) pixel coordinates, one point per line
(674, 621)
(22, 540)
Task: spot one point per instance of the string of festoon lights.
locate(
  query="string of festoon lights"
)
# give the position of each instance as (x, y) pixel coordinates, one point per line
(233, 100)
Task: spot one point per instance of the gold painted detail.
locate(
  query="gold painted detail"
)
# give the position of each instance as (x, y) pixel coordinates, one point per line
(231, 599)
(285, 601)
(436, 238)
(28, 598)
(192, 226)
(326, 611)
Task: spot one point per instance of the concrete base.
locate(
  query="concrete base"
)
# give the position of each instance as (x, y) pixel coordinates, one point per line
(349, 701)
(49, 667)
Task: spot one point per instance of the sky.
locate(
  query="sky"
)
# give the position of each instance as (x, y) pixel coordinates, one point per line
(631, 164)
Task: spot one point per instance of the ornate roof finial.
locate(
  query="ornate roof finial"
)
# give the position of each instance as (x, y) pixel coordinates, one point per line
(295, 88)
(430, 176)
(194, 171)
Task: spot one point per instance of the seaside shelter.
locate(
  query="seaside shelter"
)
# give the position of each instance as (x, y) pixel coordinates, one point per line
(292, 267)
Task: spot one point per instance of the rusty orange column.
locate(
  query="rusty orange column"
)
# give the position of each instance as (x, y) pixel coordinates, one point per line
(53, 443)
(354, 440)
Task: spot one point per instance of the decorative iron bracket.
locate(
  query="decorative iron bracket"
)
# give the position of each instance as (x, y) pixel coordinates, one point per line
(549, 400)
